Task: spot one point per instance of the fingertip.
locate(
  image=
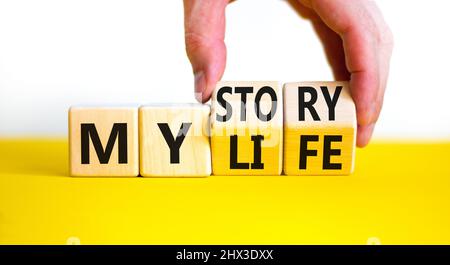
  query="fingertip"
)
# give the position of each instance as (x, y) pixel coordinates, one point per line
(206, 95)
(199, 85)
(366, 114)
(364, 134)
(204, 85)
(365, 90)
(208, 59)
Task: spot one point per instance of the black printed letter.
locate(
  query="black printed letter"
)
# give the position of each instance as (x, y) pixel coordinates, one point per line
(328, 152)
(302, 105)
(273, 110)
(222, 102)
(119, 130)
(331, 102)
(234, 164)
(174, 144)
(304, 151)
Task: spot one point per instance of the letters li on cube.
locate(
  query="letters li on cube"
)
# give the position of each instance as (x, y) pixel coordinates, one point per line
(247, 128)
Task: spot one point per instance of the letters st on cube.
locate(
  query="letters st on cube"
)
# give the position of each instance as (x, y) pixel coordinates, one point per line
(251, 128)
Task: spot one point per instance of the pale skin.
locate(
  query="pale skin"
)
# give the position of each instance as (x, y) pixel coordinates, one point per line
(357, 41)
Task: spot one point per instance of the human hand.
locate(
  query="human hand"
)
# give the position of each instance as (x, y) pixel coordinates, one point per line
(357, 41)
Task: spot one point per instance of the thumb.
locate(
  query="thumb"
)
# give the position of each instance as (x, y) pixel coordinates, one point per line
(204, 24)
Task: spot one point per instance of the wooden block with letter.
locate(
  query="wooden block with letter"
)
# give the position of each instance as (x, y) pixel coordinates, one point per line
(103, 141)
(174, 140)
(247, 128)
(319, 128)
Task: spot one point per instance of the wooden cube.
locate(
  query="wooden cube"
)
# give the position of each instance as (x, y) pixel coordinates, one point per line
(103, 141)
(247, 128)
(174, 140)
(319, 128)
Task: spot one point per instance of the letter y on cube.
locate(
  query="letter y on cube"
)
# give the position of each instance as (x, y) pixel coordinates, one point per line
(174, 140)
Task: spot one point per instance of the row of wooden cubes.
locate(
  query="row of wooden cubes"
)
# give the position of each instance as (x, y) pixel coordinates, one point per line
(251, 128)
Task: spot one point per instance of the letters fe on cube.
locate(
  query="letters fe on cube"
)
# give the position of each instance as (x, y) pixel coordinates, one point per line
(319, 128)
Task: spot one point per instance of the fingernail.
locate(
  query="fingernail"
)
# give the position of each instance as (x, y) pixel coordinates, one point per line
(367, 115)
(199, 85)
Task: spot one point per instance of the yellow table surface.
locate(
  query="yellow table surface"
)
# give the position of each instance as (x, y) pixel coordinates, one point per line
(399, 194)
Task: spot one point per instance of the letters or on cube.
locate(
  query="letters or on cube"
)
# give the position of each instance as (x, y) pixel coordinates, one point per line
(103, 141)
(247, 128)
(174, 140)
(319, 128)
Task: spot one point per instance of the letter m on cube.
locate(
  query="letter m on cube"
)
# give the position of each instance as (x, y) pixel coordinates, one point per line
(103, 141)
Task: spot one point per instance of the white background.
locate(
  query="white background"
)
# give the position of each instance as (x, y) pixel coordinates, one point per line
(54, 54)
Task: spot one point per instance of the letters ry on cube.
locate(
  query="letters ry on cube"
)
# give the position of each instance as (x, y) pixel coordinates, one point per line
(319, 129)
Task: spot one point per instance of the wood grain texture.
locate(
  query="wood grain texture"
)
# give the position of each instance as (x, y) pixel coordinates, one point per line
(104, 118)
(194, 152)
(341, 129)
(244, 123)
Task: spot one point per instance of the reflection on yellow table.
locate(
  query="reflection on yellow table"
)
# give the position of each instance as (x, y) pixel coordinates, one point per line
(399, 193)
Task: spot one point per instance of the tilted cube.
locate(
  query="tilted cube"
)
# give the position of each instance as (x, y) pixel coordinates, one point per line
(247, 128)
(319, 128)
